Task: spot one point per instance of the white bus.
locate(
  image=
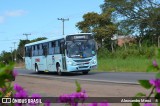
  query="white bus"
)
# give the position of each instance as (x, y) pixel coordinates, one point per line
(70, 53)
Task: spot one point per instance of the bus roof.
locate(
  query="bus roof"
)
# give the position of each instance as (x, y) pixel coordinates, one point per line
(77, 34)
(46, 40)
(53, 38)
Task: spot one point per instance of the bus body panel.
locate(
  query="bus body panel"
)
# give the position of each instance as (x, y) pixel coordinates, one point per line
(51, 63)
(41, 62)
(52, 60)
(28, 63)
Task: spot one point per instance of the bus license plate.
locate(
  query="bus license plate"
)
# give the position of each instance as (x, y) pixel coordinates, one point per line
(81, 64)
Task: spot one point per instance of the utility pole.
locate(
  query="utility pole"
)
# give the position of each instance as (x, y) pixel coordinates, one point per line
(11, 54)
(26, 35)
(63, 20)
(15, 52)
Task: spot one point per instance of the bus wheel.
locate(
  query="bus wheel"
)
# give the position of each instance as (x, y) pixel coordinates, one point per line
(59, 70)
(85, 72)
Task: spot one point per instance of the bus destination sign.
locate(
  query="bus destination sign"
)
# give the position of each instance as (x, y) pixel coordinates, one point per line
(78, 37)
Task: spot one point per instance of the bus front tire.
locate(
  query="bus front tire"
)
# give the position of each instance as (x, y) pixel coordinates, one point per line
(85, 72)
(59, 71)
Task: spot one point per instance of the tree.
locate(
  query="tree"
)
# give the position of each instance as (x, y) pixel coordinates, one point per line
(99, 24)
(140, 17)
(5, 57)
(21, 46)
(38, 39)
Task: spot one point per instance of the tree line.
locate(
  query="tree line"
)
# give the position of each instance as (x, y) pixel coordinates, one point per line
(18, 54)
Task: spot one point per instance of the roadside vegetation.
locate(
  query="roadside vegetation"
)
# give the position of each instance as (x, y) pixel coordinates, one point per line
(132, 59)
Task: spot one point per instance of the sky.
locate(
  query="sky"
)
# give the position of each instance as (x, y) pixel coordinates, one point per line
(39, 18)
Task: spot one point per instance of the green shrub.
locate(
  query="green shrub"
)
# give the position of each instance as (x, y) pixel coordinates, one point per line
(130, 51)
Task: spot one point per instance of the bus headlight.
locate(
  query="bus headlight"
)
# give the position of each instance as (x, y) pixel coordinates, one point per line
(94, 62)
(71, 63)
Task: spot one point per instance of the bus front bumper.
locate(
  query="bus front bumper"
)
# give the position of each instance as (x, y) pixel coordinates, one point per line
(80, 68)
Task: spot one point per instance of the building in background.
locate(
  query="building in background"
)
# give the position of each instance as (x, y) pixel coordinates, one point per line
(123, 39)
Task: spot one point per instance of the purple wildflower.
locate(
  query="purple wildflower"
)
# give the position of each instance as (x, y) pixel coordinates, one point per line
(148, 104)
(47, 103)
(21, 94)
(74, 104)
(155, 63)
(34, 96)
(17, 87)
(14, 73)
(103, 104)
(63, 98)
(73, 98)
(2, 90)
(100, 104)
(152, 81)
(18, 104)
(156, 83)
(93, 104)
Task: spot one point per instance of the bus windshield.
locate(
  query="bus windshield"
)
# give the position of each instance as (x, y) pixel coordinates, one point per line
(81, 48)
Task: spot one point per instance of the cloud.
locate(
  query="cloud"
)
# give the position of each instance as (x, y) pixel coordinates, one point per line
(15, 13)
(11, 13)
(2, 19)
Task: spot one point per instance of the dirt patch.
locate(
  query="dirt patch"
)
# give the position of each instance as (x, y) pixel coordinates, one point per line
(20, 65)
(54, 88)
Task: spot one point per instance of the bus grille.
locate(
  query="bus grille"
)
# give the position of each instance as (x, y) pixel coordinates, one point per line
(87, 60)
(83, 66)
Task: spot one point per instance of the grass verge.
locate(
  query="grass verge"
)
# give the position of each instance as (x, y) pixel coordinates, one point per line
(130, 64)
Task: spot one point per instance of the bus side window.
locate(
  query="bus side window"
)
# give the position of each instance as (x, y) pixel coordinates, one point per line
(45, 49)
(33, 50)
(30, 51)
(53, 46)
(36, 50)
(57, 47)
(40, 50)
(50, 48)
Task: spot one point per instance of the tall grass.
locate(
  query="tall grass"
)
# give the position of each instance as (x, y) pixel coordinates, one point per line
(129, 60)
(130, 64)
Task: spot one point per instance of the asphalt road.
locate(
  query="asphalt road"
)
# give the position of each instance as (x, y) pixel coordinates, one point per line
(113, 77)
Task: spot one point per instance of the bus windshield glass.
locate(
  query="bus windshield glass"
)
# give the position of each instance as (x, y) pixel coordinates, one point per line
(81, 48)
